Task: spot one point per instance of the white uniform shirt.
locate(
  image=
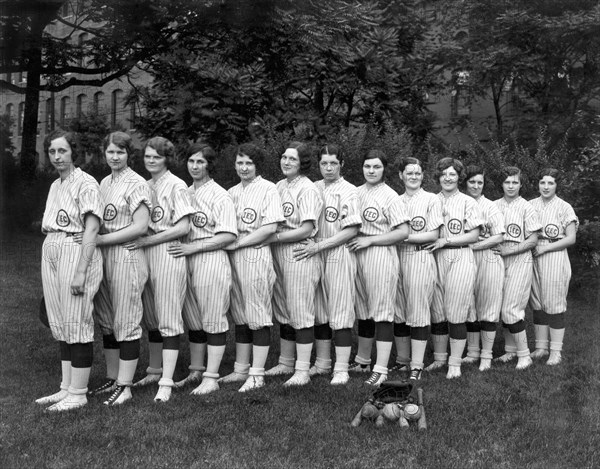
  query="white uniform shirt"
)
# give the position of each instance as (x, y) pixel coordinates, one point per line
(300, 201)
(170, 202)
(213, 211)
(340, 199)
(555, 216)
(424, 211)
(494, 220)
(381, 209)
(461, 214)
(520, 219)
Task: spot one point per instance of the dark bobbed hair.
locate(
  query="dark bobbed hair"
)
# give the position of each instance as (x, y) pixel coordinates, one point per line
(447, 162)
(552, 172)
(252, 151)
(332, 149)
(303, 154)
(474, 170)
(376, 153)
(163, 147)
(121, 140)
(508, 171)
(72, 138)
(208, 153)
(404, 162)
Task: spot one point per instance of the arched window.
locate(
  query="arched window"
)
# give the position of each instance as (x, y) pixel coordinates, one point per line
(64, 111)
(9, 110)
(20, 118)
(83, 37)
(117, 96)
(99, 103)
(81, 103)
(49, 115)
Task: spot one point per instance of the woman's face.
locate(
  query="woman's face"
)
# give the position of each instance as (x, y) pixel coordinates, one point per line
(449, 179)
(290, 163)
(155, 163)
(245, 168)
(373, 171)
(412, 177)
(511, 187)
(197, 166)
(330, 167)
(475, 186)
(60, 154)
(116, 157)
(547, 187)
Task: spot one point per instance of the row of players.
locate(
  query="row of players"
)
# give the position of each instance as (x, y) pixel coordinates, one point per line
(317, 255)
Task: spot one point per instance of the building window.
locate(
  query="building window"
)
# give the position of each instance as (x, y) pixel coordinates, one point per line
(81, 102)
(65, 10)
(99, 103)
(82, 39)
(49, 115)
(9, 78)
(9, 110)
(461, 103)
(64, 111)
(22, 77)
(116, 98)
(20, 118)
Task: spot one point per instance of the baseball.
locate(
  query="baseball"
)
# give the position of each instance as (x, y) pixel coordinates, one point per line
(412, 411)
(369, 411)
(392, 412)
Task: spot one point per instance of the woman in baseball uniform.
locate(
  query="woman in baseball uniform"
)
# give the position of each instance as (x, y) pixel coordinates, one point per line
(209, 272)
(484, 312)
(164, 293)
(551, 267)
(418, 271)
(258, 210)
(296, 280)
(118, 305)
(456, 267)
(338, 223)
(522, 226)
(384, 224)
(71, 272)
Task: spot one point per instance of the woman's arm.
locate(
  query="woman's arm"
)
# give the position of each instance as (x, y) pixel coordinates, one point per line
(178, 230)
(397, 235)
(137, 228)
(257, 237)
(291, 236)
(309, 248)
(511, 249)
(86, 252)
(213, 243)
(422, 238)
(461, 240)
(488, 243)
(568, 240)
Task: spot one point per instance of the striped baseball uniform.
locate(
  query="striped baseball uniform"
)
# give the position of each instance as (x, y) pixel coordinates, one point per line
(418, 271)
(70, 316)
(118, 304)
(256, 205)
(487, 297)
(164, 293)
(296, 281)
(520, 221)
(378, 266)
(552, 270)
(335, 298)
(209, 273)
(456, 265)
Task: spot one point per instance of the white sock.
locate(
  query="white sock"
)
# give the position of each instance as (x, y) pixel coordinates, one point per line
(520, 340)
(155, 355)
(259, 356)
(169, 358)
(487, 343)
(384, 349)
(126, 372)
(79, 380)
(342, 358)
(111, 355)
(541, 336)
(214, 357)
(287, 352)
(402, 349)
(556, 339)
(440, 347)
(303, 352)
(473, 349)
(365, 348)
(509, 341)
(66, 375)
(418, 353)
(457, 347)
(323, 359)
(197, 356)
(242, 353)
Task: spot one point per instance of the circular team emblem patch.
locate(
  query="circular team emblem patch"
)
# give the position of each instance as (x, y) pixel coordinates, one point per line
(551, 231)
(110, 212)
(371, 214)
(199, 219)
(157, 214)
(248, 216)
(454, 226)
(513, 230)
(62, 219)
(331, 214)
(288, 209)
(417, 223)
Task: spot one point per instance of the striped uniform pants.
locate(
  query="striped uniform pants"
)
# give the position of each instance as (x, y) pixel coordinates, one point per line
(487, 294)
(551, 276)
(518, 275)
(70, 316)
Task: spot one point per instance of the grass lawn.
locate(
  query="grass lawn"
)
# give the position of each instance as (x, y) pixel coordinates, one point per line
(544, 417)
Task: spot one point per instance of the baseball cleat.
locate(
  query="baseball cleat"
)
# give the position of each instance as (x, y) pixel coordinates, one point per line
(233, 377)
(470, 360)
(163, 394)
(485, 364)
(340, 378)
(207, 386)
(524, 362)
(107, 387)
(193, 377)
(555, 358)
(453, 372)
(400, 368)
(147, 380)
(252, 383)
(415, 374)
(280, 370)
(539, 353)
(436, 365)
(120, 395)
(355, 367)
(70, 402)
(300, 378)
(508, 356)
(315, 371)
(52, 398)
(376, 379)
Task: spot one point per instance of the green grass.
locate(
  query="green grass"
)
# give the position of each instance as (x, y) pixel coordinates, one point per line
(544, 417)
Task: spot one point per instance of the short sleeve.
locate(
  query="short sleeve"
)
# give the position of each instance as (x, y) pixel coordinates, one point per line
(435, 219)
(531, 220)
(350, 213)
(396, 213)
(568, 216)
(181, 203)
(496, 221)
(473, 215)
(271, 212)
(90, 201)
(224, 213)
(140, 195)
(310, 205)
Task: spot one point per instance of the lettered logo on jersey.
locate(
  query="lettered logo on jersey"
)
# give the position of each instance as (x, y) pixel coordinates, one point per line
(288, 209)
(454, 226)
(248, 216)
(62, 219)
(417, 223)
(331, 214)
(157, 214)
(551, 231)
(371, 214)
(513, 230)
(110, 212)
(199, 219)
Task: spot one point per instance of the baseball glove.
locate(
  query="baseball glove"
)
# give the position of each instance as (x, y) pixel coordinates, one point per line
(395, 391)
